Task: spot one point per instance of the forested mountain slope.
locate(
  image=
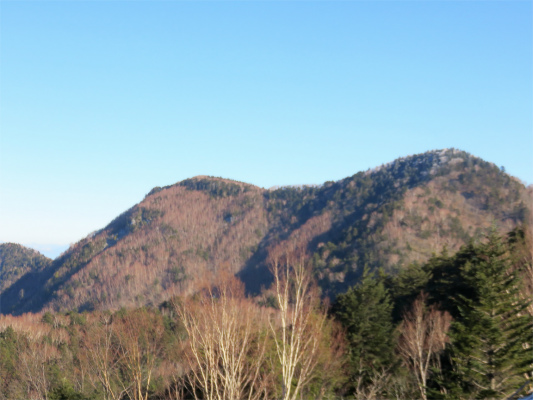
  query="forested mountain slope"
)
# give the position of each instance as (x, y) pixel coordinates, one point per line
(16, 261)
(187, 233)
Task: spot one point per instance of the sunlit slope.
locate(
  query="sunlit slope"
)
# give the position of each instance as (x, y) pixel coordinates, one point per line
(183, 234)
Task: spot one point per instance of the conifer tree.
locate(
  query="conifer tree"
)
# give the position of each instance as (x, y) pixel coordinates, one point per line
(366, 313)
(491, 338)
(446, 282)
(405, 287)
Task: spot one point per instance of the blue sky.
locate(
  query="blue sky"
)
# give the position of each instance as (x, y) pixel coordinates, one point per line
(101, 101)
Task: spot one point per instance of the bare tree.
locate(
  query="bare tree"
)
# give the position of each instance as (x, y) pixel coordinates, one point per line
(423, 335)
(226, 351)
(174, 368)
(101, 356)
(34, 360)
(297, 327)
(140, 335)
(377, 381)
(330, 370)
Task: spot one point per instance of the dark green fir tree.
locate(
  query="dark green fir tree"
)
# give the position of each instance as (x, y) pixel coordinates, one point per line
(491, 338)
(366, 313)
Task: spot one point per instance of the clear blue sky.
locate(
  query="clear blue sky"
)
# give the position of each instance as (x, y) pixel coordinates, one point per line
(101, 101)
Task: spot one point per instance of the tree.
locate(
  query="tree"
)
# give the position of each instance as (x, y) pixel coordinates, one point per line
(10, 385)
(66, 392)
(520, 241)
(423, 335)
(298, 326)
(405, 286)
(101, 356)
(226, 345)
(140, 337)
(446, 282)
(35, 358)
(491, 338)
(366, 313)
(329, 376)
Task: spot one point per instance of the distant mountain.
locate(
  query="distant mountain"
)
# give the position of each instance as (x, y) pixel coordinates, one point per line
(183, 234)
(16, 261)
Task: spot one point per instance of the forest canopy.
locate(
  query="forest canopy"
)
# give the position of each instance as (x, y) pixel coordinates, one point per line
(458, 326)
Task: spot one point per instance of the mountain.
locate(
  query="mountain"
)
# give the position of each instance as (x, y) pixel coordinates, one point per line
(16, 261)
(190, 232)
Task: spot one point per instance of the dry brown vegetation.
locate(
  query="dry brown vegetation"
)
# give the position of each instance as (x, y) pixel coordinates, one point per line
(218, 343)
(194, 237)
(227, 343)
(183, 235)
(433, 217)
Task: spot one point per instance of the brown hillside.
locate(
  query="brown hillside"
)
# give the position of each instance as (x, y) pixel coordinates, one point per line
(191, 236)
(183, 235)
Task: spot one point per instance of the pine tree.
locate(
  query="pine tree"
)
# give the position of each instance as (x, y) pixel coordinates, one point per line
(366, 313)
(491, 338)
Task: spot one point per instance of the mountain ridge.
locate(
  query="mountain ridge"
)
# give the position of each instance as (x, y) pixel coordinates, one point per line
(385, 217)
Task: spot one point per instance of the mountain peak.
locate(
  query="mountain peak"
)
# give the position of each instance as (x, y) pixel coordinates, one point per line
(186, 233)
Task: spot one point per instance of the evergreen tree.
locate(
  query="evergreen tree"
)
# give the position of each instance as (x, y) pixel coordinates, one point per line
(405, 287)
(446, 283)
(366, 313)
(491, 338)
(9, 379)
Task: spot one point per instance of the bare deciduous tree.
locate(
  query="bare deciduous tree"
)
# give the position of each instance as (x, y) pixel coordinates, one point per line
(34, 360)
(101, 356)
(297, 328)
(377, 381)
(226, 350)
(423, 335)
(140, 335)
